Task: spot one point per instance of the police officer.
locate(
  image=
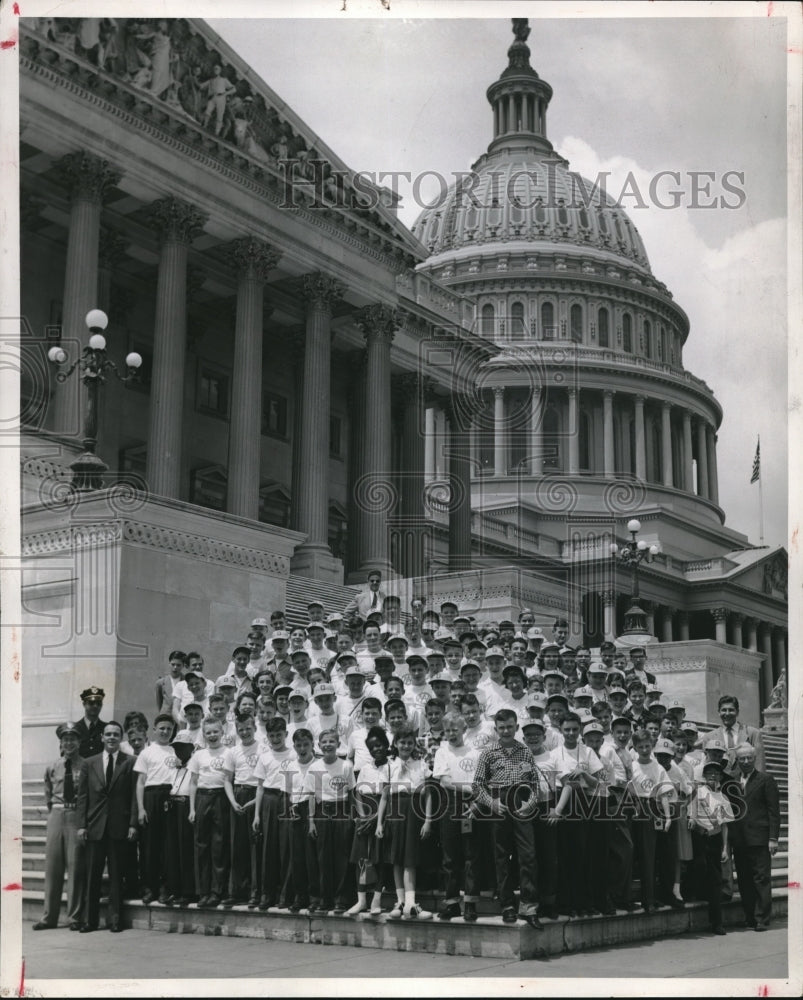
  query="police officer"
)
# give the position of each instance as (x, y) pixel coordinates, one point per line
(90, 728)
(63, 849)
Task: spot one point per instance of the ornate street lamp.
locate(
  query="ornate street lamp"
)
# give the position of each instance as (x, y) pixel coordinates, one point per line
(631, 554)
(88, 467)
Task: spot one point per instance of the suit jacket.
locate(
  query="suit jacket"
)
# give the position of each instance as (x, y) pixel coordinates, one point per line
(361, 603)
(758, 808)
(91, 742)
(103, 811)
(742, 734)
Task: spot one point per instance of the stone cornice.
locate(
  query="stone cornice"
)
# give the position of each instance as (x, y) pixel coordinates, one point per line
(137, 109)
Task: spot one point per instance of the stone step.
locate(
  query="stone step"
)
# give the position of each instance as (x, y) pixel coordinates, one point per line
(488, 937)
(300, 591)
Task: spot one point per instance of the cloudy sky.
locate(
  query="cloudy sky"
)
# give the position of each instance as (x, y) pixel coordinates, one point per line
(632, 95)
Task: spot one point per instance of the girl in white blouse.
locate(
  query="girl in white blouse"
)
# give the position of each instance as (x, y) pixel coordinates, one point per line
(366, 848)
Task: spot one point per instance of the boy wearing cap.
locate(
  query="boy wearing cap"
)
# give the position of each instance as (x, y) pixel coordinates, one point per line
(63, 849)
(155, 767)
(418, 692)
(557, 707)
(441, 685)
(323, 715)
(695, 754)
(577, 775)
(494, 682)
(714, 752)
(597, 676)
(297, 705)
(710, 812)
(350, 705)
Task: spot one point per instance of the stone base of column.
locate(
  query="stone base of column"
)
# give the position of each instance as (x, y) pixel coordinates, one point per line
(776, 720)
(317, 564)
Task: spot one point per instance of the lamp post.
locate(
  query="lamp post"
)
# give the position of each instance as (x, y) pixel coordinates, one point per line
(632, 554)
(88, 467)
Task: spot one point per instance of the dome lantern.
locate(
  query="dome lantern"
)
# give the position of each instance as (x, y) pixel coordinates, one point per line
(519, 98)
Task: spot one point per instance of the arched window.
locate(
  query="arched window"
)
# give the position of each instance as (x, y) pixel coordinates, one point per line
(488, 320)
(517, 328)
(563, 216)
(648, 338)
(602, 324)
(547, 321)
(627, 333)
(576, 323)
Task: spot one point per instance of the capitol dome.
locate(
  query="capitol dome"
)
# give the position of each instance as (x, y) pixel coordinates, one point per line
(520, 197)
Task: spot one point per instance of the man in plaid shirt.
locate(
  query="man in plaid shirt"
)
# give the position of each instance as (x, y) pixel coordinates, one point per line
(503, 786)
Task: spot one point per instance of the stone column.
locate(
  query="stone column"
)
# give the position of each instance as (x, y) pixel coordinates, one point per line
(375, 491)
(767, 682)
(702, 460)
(609, 614)
(721, 619)
(254, 261)
(667, 634)
(356, 402)
(500, 457)
(177, 223)
(713, 480)
(683, 626)
(607, 434)
(779, 657)
(312, 557)
(88, 178)
(641, 454)
(736, 629)
(752, 640)
(666, 444)
(574, 432)
(459, 487)
(688, 457)
(429, 445)
(511, 113)
(537, 431)
(649, 611)
(410, 389)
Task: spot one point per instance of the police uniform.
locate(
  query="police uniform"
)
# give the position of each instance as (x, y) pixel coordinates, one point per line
(63, 849)
(90, 735)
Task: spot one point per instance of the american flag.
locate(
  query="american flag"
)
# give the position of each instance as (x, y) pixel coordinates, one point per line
(757, 464)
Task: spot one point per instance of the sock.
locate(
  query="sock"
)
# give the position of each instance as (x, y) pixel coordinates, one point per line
(409, 899)
(400, 897)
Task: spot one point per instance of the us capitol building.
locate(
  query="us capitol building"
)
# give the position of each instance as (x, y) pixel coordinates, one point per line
(477, 407)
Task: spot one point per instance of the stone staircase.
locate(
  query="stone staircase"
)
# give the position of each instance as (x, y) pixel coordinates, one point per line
(301, 590)
(488, 937)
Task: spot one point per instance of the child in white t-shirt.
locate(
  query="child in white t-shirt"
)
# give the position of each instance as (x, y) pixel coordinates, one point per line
(209, 813)
(329, 783)
(155, 767)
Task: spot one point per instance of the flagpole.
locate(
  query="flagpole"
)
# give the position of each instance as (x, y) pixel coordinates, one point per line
(760, 503)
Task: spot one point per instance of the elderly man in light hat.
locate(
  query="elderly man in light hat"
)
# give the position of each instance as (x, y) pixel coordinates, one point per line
(63, 849)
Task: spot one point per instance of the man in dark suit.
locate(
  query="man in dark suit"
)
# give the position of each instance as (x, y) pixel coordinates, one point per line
(754, 835)
(90, 728)
(107, 820)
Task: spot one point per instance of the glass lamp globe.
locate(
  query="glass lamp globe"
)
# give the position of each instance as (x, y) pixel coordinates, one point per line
(654, 550)
(133, 360)
(97, 342)
(634, 525)
(96, 319)
(614, 548)
(641, 545)
(57, 355)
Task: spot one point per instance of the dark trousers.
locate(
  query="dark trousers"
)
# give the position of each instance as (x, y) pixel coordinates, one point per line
(546, 854)
(754, 872)
(665, 853)
(98, 852)
(644, 840)
(459, 849)
(180, 849)
(620, 850)
(275, 829)
(335, 833)
(303, 880)
(245, 858)
(710, 850)
(154, 837)
(600, 832)
(211, 841)
(573, 855)
(509, 833)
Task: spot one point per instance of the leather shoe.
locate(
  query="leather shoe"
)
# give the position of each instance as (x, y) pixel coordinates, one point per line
(509, 915)
(86, 929)
(75, 926)
(762, 927)
(718, 930)
(115, 928)
(42, 926)
(470, 912)
(532, 920)
(449, 911)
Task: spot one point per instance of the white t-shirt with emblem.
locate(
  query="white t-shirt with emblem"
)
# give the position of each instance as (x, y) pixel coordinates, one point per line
(208, 765)
(272, 769)
(481, 736)
(567, 761)
(329, 782)
(158, 763)
(650, 780)
(241, 762)
(456, 763)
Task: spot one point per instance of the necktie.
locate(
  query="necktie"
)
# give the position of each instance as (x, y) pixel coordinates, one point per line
(69, 786)
(730, 739)
(109, 770)
(375, 601)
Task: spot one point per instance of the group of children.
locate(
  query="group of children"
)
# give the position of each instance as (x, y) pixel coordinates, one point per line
(316, 777)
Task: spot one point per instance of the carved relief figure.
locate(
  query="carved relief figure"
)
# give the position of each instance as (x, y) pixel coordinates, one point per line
(218, 88)
(160, 78)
